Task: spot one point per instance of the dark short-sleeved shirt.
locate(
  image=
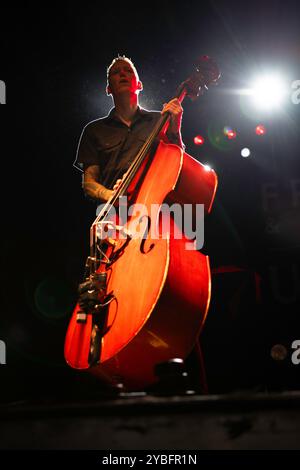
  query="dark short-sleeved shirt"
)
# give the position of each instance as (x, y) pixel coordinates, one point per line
(112, 145)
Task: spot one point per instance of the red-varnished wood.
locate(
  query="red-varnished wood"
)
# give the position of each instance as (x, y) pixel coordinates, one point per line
(162, 295)
(77, 342)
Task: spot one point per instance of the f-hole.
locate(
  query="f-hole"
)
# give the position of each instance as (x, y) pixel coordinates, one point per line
(145, 234)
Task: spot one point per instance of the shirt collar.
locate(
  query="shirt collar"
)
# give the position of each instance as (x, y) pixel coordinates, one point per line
(140, 112)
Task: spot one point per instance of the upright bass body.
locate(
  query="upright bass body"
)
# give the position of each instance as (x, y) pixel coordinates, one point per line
(161, 286)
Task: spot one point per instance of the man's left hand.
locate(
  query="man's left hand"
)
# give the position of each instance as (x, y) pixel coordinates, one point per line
(175, 109)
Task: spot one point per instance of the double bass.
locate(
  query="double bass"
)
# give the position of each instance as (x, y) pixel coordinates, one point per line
(147, 290)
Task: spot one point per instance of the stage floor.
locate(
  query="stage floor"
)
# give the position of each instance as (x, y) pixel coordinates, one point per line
(139, 421)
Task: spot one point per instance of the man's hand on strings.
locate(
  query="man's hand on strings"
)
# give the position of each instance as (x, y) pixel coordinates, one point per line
(175, 109)
(118, 183)
(110, 192)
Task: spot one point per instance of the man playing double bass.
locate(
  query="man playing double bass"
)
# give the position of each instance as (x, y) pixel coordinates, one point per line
(109, 145)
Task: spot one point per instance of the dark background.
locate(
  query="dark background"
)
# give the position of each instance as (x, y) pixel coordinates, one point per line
(53, 61)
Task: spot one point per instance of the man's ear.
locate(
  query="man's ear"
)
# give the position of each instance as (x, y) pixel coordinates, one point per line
(108, 90)
(140, 85)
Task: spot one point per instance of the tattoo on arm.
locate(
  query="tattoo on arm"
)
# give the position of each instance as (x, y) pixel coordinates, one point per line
(92, 187)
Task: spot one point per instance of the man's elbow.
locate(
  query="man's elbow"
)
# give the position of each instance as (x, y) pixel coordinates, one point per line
(88, 189)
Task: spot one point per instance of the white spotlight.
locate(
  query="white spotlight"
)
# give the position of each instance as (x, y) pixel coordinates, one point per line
(268, 92)
(245, 152)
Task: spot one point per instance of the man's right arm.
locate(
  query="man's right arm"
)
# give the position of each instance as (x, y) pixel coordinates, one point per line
(92, 187)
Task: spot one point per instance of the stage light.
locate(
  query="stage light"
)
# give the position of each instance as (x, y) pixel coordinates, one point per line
(268, 92)
(245, 152)
(198, 140)
(230, 133)
(260, 130)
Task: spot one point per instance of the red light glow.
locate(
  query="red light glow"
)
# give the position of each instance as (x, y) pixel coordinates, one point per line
(198, 140)
(231, 135)
(260, 130)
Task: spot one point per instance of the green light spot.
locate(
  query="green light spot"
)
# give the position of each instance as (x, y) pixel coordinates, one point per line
(53, 298)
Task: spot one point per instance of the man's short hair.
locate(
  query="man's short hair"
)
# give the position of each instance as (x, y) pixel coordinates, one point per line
(116, 59)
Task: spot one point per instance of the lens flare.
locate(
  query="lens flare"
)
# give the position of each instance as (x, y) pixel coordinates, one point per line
(53, 298)
(229, 132)
(217, 137)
